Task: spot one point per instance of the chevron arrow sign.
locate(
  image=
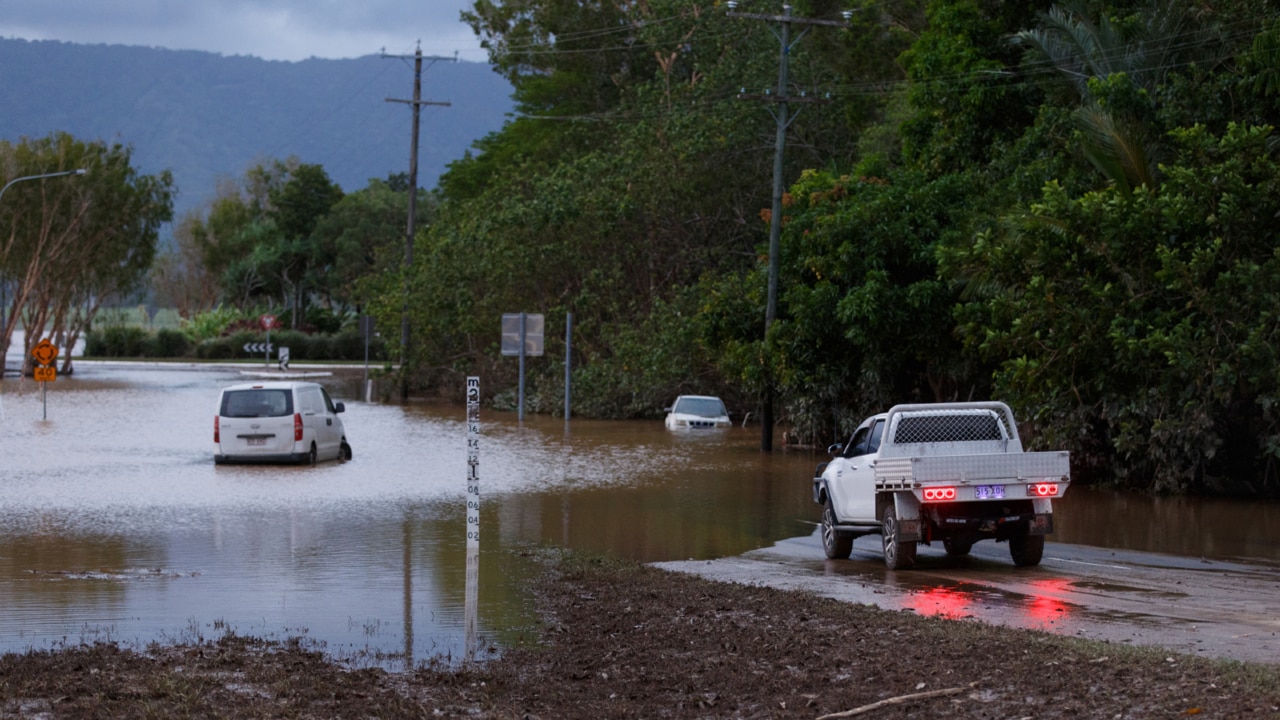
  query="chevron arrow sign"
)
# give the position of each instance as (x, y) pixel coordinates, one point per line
(257, 347)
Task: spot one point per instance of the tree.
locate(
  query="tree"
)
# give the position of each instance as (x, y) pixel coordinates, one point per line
(73, 245)
(257, 235)
(1115, 69)
(296, 207)
(354, 238)
(1138, 328)
(180, 277)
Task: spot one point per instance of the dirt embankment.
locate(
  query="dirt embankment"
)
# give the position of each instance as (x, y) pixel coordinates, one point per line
(628, 641)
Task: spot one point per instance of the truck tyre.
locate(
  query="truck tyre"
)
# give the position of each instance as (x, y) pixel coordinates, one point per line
(898, 554)
(1026, 549)
(957, 547)
(836, 546)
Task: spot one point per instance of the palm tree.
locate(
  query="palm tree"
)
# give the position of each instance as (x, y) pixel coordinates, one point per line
(1115, 75)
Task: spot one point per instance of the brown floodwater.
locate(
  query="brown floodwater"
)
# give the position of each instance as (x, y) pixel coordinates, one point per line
(116, 525)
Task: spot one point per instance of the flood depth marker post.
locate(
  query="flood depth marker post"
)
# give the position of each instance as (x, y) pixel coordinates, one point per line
(473, 516)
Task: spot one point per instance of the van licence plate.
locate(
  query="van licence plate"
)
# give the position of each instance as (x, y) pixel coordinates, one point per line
(988, 492)
(257, 441)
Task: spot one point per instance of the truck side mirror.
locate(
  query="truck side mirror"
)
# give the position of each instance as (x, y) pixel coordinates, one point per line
(835, 449)
(339, 407)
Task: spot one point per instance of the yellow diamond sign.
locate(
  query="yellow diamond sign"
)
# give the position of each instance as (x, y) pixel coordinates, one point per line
(45, 352)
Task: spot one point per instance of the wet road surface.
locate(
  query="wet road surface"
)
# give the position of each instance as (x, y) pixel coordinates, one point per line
(1199, 606)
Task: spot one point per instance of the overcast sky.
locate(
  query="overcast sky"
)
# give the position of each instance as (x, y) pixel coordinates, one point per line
(269, 29)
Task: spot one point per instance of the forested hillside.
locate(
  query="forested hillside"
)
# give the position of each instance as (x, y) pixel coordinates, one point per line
(1067, 206)
(205, 116)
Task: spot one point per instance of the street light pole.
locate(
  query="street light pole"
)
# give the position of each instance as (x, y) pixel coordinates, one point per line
(4, 282)
(78, 171)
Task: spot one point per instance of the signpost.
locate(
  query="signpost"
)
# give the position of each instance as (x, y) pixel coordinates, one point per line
(284, 359)
(522, 336)
(268, 321)
(44, 353)
(366, 333)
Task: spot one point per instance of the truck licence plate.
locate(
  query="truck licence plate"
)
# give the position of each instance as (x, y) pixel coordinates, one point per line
(257, 441)
(988, 492)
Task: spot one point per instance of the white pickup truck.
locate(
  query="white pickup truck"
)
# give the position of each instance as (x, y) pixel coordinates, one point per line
(953, 472)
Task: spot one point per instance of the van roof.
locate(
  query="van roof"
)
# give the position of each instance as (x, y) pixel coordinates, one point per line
(271, 385)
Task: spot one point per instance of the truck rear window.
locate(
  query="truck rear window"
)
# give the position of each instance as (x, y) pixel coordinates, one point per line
(256, 403)
(952, 427)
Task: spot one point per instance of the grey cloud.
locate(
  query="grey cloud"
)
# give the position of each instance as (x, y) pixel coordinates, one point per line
(271, 29)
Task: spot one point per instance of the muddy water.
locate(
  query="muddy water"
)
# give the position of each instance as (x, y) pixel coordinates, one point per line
(115, 523)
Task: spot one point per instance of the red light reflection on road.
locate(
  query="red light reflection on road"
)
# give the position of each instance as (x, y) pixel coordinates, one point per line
(1043, 605)
(943, 602)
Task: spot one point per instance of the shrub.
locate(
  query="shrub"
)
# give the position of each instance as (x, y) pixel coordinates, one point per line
(170, 343)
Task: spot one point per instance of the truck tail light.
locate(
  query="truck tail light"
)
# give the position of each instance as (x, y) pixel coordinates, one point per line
(1043, 489)
(939, 494)
(297, 427)
(215, 429)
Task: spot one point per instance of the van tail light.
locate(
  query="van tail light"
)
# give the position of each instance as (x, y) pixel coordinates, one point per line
(297, 427)
(215, 429)
(939, 494)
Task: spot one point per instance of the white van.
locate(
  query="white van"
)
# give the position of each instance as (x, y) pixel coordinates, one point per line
(278, 422)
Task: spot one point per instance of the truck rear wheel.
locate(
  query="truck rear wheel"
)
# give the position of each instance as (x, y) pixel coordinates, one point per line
(836, 546)
(898, 554)
(1026, 549)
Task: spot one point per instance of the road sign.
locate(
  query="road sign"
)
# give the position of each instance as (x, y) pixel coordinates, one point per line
(256, 348)
(284, 358)
(268, 321)
(533, 325)
(44, 374)
(45, 352)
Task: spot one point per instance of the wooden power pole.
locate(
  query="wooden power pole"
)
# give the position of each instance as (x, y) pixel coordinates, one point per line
(782, 99)
(416, 103)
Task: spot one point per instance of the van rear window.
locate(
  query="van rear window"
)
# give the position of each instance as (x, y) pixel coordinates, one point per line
(256, 403)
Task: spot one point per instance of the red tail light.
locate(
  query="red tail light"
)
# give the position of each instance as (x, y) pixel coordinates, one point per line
(297, 427)
(1043, 490)
(939, 494)
(215, 429)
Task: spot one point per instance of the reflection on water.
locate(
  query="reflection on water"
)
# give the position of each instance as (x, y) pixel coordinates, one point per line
(1218, 528)
(116, 523)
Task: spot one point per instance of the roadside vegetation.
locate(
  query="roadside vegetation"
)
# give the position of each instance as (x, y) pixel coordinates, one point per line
(1069, 206)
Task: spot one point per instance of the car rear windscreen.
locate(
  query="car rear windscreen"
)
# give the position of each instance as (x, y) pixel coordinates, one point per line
(256, 403)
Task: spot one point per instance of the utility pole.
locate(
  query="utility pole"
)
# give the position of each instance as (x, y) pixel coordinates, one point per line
(782, 99)
(416, 103)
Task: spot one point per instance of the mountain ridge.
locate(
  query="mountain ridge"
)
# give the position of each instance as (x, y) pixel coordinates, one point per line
(207, 116)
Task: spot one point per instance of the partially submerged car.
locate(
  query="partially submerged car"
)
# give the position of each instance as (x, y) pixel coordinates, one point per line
(697, 412)
(278, 422)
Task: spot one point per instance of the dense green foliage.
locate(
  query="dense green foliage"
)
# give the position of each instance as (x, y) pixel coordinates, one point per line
(1064, 206)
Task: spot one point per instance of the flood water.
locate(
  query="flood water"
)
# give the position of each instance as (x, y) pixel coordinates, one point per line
(116, 525)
